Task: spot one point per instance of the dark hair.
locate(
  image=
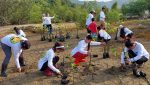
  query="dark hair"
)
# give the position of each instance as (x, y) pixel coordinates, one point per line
(57, 44)
(16, 30)
(89, 37)
(130, 35)
(25, 44)
(103, 8)
(93, 19)
(129, 43)
(92, 11)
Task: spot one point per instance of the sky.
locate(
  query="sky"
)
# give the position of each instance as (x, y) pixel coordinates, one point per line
(97, 0)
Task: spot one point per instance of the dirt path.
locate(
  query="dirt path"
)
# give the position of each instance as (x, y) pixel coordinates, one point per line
(107, 70)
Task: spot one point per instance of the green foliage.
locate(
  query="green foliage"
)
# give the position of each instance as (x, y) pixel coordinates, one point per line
(136, 7)
(113, 15)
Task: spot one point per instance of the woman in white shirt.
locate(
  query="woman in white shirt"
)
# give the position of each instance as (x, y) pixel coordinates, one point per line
(19, 32)
(138, 55)
(102, 34)
(47, 64)
(15, 44)
(47, 22)
(81, 51)
(89, 19)
(102, 17)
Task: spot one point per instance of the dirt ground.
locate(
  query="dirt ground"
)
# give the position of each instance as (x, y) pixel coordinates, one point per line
(105, 71)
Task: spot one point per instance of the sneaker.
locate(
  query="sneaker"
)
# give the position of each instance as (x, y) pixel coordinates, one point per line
(137, 74)
(142, 74)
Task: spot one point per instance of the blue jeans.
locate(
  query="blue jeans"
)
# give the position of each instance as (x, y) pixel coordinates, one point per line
(7, 51)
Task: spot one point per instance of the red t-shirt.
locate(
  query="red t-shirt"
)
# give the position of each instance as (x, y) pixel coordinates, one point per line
(92, 27)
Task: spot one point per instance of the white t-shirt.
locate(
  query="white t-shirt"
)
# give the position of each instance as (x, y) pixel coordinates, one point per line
(102, 16)
(82, 47)
(139, 50)
(48, 57)
(13, 41)
(47, 20)
(104, 34)
(89, 19)
(126, 30)
(22, 33)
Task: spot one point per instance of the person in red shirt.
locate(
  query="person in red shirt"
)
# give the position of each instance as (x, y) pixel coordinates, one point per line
(93, 28)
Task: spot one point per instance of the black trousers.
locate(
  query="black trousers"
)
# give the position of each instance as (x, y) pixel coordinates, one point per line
(140, 61)
(45, 65)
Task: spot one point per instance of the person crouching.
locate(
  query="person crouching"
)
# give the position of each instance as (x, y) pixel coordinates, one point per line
(47, 64)
(138, 55)
(81, 51)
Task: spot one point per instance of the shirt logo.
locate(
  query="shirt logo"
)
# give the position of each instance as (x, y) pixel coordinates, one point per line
(15, 40)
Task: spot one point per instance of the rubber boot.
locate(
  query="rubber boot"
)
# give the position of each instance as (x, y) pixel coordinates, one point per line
(3, 70)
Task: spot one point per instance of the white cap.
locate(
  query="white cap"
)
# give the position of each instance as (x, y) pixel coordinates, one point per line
(60, 47)
(120, 26)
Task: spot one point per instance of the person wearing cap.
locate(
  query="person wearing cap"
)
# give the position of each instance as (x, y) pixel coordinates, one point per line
(93, 28)
(89, 19)
(19, 32)
(138, 55)
(47, 64)
(102, 16)
(81, 51)
(124, 32)
(13, 43)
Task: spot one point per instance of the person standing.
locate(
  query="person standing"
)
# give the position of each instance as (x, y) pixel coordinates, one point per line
(15, 44)
(89, 19)
(48, 24)
(93, 29)
(102, 17)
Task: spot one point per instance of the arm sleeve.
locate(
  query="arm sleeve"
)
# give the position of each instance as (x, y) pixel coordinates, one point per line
(52, 17)
(17, 53)
(124, 50)
(81, 48)
(50, 63)
(95, 43)
(139, 55)
(122, 58)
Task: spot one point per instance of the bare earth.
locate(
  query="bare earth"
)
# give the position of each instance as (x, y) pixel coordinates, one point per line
(106, 71)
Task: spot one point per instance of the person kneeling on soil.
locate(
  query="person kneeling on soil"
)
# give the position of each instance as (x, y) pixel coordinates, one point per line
(17, 44)
(138, 55)
(81, 51)
(103, 35)
(124, 32)
(47, 64)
